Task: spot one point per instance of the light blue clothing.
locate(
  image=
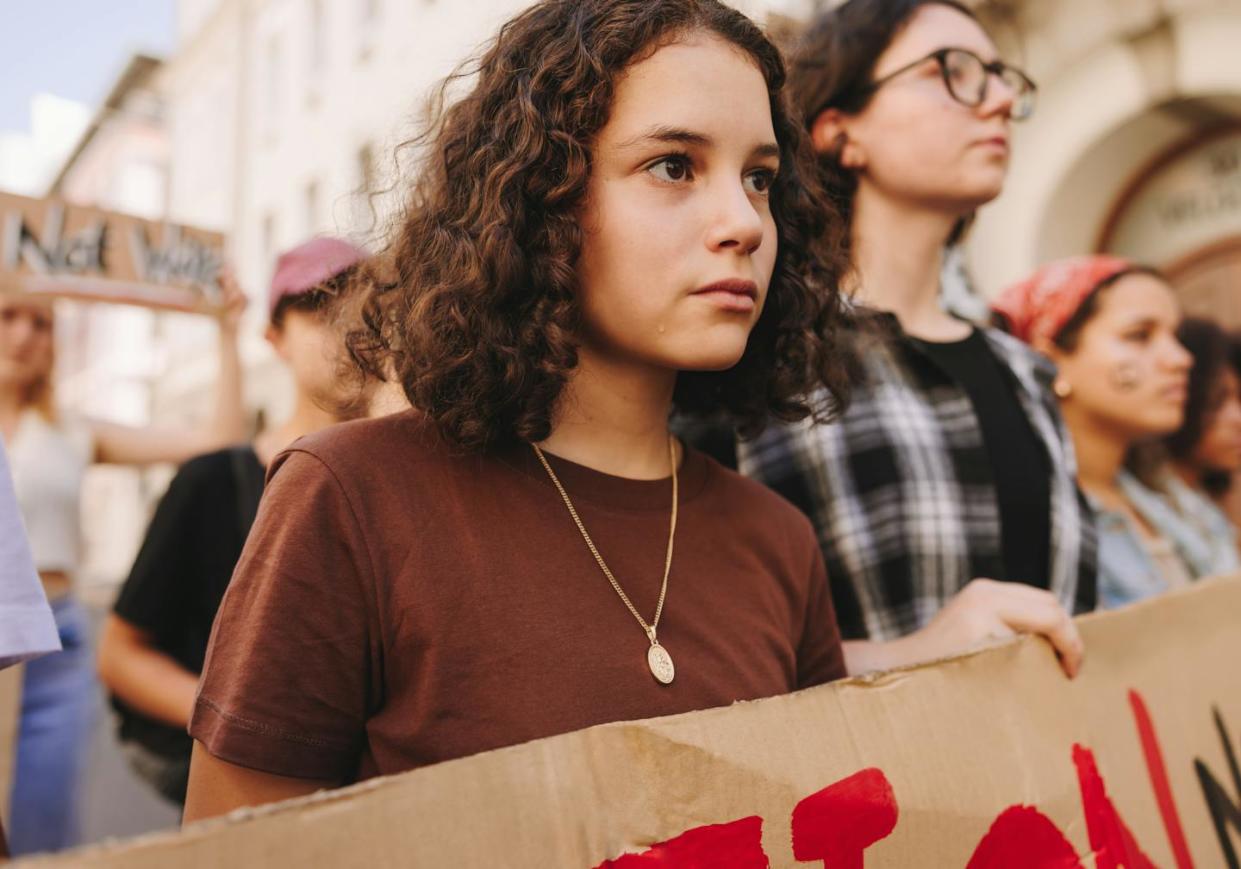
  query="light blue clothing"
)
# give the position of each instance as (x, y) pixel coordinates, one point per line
(1127, 573)
(58, 710)
(26, 625)
(1198, 530)
(1199, 538)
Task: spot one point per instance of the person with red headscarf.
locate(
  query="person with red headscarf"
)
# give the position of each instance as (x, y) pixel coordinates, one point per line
(1110, 326)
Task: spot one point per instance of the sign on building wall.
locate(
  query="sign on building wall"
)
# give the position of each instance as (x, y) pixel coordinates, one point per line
(1190, 201)
(1184, 216)
(51, 248)
(990, 761)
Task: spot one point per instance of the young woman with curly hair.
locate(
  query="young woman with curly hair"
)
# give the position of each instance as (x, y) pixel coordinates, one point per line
(612, 224)
(944, 498)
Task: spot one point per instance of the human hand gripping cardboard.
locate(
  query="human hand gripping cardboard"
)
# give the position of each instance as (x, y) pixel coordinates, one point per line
(984, 610)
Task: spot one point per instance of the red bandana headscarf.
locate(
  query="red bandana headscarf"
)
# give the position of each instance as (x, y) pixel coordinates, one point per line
(1042, 304)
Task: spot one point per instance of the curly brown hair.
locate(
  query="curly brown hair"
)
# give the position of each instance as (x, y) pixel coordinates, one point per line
(473, 305)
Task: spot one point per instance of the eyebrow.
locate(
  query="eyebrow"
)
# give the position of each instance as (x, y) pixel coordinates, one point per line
(668, 134)
(682, 136)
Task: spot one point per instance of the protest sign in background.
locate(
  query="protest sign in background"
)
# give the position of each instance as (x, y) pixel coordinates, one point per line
(50, 248)
(993, 759)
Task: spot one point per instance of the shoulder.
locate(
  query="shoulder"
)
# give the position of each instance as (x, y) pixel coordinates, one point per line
(207, 471)
(207, 466)
(372, 455)
(199, 483)
(1017, 354)
(751, 502)
(63, 430)
(1150, 503)
(364, 442)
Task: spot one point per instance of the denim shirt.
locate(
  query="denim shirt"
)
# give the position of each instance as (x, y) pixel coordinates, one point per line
(1199, 531)
(1200, 535)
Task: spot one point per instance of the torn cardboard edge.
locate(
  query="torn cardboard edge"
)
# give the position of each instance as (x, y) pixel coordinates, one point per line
(86, 289)
(929, 765)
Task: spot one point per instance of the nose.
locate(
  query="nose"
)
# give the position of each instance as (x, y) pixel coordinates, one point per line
(736, 222)
(1232, 412)
(1177, 358)
(1000, 97)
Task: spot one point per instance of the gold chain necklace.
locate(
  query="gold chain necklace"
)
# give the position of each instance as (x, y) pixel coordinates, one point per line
(657, 657)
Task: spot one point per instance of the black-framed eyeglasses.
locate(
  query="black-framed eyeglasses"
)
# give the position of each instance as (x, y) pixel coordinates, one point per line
(966, 76)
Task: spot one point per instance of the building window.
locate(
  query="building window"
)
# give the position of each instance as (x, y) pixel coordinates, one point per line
(316, 65)
(269, 239)
(368, 26)
(363, 216)
(366, 168)
(272, 95)
(312, 208)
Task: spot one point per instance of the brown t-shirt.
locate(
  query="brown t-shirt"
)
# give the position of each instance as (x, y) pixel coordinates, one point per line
(399, 603)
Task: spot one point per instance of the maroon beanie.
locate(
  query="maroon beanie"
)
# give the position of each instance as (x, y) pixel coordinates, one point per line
(310, 264)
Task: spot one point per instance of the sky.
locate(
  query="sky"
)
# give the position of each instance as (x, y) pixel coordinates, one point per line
(73, 48)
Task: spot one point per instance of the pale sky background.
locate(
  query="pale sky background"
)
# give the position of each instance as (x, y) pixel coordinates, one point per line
(73, 48)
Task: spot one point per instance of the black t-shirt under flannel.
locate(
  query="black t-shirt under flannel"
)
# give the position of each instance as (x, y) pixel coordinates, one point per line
(902, 486)
(1017, 460)
(182, 571)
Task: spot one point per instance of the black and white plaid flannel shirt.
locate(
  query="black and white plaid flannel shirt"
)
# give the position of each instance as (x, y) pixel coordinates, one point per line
(893, 486)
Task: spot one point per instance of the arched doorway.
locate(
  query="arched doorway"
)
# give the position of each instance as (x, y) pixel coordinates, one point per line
(1209, 282)
(1182, 213)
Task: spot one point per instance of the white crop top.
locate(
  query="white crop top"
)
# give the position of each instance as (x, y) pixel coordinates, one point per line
(48, 462)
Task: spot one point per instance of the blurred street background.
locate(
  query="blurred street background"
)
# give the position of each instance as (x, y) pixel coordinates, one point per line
(274, 120)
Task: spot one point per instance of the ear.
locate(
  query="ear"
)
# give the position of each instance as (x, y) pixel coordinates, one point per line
(830, 135)
(275, 337)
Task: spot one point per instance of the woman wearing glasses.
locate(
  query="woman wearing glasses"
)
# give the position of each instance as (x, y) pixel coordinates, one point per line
(944, 498)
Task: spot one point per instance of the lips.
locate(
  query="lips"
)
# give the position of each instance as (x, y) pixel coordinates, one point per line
(733, 287)
(732, 296)
(1176, 392)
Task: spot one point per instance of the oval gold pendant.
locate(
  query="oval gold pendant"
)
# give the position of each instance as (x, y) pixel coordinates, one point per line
(660, 662)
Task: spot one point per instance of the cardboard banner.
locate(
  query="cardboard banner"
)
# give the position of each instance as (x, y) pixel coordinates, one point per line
(50, 248)
(10, 720)
(994, 759)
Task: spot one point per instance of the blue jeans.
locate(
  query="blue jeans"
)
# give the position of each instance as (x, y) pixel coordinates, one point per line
(53, 742)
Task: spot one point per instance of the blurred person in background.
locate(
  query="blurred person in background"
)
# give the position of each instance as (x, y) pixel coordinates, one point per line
(50, 449)
(945, 497)
(1225, 491)
(1204, 454)
(1110, 326)
(154, 641)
